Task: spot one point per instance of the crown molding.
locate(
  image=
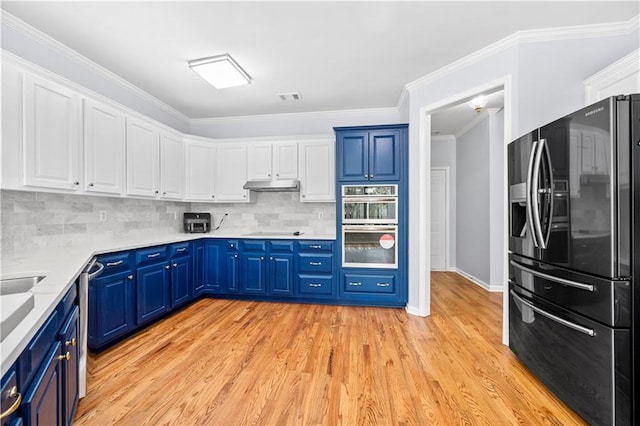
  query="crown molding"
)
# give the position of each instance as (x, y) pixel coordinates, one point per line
(297, 115)
(38, 36)
(522, 37)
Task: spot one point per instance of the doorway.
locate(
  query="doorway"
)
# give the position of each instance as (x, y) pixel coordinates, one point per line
(439, 218)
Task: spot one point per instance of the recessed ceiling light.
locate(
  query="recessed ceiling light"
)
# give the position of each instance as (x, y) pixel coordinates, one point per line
(220, 71)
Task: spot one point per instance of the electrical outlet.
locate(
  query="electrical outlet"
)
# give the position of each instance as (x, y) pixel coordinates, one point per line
(321, 215)
(103, 216)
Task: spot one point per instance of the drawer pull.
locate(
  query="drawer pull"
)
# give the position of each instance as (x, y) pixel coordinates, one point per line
(181, 249)
(315, 263)
(130, 277)
(315, 246)
(383, 284)
(65, 357)
(354, 283)
(167, 266)
(13, 393)
(315, 285)
(71, 342)
(119, 262)
(150, 256)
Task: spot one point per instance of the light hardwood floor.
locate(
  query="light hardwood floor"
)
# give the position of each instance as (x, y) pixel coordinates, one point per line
(222, 362)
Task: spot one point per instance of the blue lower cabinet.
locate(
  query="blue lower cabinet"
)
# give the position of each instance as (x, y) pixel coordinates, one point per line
(281, 274)
(232, 272)
(310, 285)
(214, 270)
(253, 273)
(42, 404)
(68, 338)
(372, 287)
(9, 398)
(153, 291)
(370, 283)
(111, 307)
(181, 276)
(198, 256)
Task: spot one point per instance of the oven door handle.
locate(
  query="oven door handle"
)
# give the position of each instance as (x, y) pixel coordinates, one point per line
(370, 228)
(559, 280)
(572, 325)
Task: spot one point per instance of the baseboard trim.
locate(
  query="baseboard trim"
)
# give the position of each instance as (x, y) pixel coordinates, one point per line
(412, 310)
(479, 282)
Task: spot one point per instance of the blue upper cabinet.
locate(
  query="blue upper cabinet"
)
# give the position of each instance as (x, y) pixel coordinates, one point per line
(367, 154)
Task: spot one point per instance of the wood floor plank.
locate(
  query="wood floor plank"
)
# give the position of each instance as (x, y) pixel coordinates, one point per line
(225, 362)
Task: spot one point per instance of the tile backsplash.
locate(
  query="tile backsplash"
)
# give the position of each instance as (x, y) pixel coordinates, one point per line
(40, 220)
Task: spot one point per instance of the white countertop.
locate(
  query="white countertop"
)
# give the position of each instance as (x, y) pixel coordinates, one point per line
(63, 265)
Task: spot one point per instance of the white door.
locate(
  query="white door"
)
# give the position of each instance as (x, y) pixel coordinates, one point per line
(51, 135)
(143, 159)
(439, 209)
(104, 139)
(230, 172)
(171, 164)
(317, 171)
(199, 164)
(285, 160)
(259, 161)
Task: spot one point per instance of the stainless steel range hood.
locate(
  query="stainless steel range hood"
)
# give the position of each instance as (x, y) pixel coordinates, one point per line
(289, 185)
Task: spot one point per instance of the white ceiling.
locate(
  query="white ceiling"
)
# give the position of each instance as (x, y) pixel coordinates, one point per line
(337, 55)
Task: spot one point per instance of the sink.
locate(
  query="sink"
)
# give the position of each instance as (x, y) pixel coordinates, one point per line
(18, 285)
(13, 309)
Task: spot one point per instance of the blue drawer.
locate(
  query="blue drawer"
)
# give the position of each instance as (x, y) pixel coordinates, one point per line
(254, 245)
(315, 246)
(315, 263)
(115, 262)
(282, 246)
(179, 249)
(153, 254)
(373, 283)
(315, 284)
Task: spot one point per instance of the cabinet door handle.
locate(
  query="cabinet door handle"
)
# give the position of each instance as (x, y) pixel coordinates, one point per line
(130, 277)
(315, 263)
(150, 256)
(13, 393)
(175, 265)
(167, 266)
(71, 342)
(271, 258)
(315, 247)
(235, 255)
(366, 176)
(383, 284)
(65, 357)
(315, 285)
(354, 283)
(181, 249)
(91, 184)
(261, 258)
(119, 262)
(156, 192)
(76, 183)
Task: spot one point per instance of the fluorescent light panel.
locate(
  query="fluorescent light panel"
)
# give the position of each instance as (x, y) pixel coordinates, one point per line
(220, 71)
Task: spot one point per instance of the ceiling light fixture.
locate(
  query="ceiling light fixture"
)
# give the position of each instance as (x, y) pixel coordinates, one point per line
(478, 103)
(220, 71)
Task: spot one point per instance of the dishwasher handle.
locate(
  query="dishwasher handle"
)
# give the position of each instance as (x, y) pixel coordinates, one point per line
(93, 274)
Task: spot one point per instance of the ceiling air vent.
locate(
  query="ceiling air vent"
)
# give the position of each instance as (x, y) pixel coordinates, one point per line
(291, 96)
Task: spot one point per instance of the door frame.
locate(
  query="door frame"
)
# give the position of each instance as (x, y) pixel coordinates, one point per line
(419, 260)
(447, 215)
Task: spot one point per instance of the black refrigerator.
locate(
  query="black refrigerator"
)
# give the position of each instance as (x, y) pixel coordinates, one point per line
(574, 258)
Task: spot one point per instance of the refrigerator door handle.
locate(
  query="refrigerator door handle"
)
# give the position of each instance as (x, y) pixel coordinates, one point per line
(570, 283)
(535, 206)
(548, 191)
(572, 325)
(529, 196)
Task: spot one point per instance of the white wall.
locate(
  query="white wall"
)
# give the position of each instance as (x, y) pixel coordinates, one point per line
(443, 154)
(472, 199)
(546, 82)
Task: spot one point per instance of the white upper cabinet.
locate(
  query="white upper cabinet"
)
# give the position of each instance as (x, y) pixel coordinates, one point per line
(104, 148)
(272, 160)
(171, 166)
(51, 134)
(142, 159)
(317, 171)
(230, 172)
(198, 170)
